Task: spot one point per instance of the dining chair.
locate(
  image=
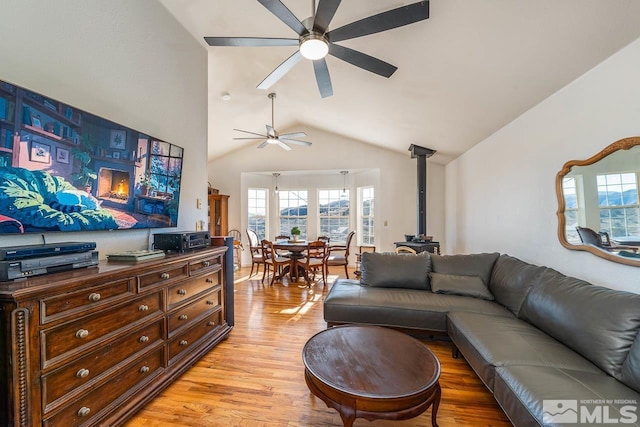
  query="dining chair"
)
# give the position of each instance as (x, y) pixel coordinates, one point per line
(338, 255)
(256, 252)
(237, 246)
(273, 261)
(282, 252)
(405, 250)
(601, 240)
(314, 260)
(324, 239)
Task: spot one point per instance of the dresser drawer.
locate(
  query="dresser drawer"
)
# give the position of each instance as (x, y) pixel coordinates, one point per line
(94, 365)
(187, 290)
(74, 303)
(191, 337)
(191, 312)
(169, 274)
(80, 411)
(208, 264)
(92, 329)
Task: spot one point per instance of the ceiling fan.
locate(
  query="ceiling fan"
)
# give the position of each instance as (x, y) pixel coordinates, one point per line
(315, 40)
(273, 137)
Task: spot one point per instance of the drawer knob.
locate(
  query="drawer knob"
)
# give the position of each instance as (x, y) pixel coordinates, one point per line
(143, 307)
(183, 317)
(206, 263)
(212, 323)
(144, 369)
(164, 276)
(184, 342)
(209, 302)
(209, 280)
(84, 411)
(94, 297)
(82, 333)
(82, 373)
(182, 292)
(144, 338)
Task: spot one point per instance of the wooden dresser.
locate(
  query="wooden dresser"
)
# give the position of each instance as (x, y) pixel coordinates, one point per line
(89, 347)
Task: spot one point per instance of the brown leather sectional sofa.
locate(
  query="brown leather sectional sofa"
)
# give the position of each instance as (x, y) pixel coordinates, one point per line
(552, 349)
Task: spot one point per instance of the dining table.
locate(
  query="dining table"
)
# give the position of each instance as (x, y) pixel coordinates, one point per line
(295, 249)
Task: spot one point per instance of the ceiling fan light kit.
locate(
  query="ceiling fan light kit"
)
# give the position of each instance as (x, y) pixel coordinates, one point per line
(314, 46)
(315, 41)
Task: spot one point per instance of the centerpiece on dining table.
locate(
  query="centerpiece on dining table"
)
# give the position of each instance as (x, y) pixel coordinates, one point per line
(295, 234)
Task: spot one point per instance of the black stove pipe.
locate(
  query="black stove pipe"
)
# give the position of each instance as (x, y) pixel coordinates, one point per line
(421, 154)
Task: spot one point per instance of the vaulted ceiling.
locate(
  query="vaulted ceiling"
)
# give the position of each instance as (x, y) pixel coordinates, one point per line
(468, 70)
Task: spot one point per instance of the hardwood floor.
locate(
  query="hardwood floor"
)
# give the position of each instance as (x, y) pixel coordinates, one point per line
(255, 378)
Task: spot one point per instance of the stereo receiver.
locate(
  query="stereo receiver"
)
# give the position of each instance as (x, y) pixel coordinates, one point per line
(181, 241)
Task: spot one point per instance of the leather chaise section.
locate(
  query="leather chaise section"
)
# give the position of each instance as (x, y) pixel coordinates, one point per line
(521, 390)
(488, 341)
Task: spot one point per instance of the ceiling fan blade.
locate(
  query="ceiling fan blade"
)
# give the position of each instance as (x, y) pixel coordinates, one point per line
(324, 14)
(384, 21)
(252, 133)
(322, 77)
(280, 71)
(295, 141)
(263, 144)
(292, 135)
(250, 41)
(283, 145)
(280, 10)
(362, 60)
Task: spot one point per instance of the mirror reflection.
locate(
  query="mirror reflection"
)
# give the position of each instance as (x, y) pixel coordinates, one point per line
(598, 203)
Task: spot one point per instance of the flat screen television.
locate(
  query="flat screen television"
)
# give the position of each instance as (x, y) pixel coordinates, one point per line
(64, 169)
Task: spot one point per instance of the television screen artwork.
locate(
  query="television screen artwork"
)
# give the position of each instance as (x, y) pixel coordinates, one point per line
(63, 169)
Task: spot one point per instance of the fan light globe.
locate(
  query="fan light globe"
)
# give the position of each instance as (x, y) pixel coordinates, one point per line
(314, 47)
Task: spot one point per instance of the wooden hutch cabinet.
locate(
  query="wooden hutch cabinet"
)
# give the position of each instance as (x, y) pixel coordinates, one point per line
(218, 214)
(90, 347)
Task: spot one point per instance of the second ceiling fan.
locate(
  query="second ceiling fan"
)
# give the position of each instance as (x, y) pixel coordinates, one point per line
(273, 137)
(315, 40)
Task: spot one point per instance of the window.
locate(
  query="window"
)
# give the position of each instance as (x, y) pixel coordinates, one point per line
(571, 208)
(292, 206)
(165, 167)
(257, 211)
(333, 211)
(365, 215)
(618, 201)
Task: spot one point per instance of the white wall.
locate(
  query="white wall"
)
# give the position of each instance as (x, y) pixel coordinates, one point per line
(127, 61)
(395, 194)
(500, 195)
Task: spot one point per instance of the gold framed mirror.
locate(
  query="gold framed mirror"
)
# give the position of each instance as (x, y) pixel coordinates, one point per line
(598, 203)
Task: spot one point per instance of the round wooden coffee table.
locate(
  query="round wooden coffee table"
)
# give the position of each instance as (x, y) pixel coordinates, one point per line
(372, 372)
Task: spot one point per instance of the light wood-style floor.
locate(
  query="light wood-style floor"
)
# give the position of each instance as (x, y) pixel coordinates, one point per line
(256, 377)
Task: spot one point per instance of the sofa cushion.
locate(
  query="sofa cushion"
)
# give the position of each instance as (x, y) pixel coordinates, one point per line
(391, 270)
(453, 284)
(631, 366)
(597, 322)
(465, 265)
(350, 302)
(511, 280)
(488, 341)
(522, 390)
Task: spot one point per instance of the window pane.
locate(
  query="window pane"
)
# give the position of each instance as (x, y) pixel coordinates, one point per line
(365, 215)
(293, 211)
(618, 199)
(257, 211)
(333, 210)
